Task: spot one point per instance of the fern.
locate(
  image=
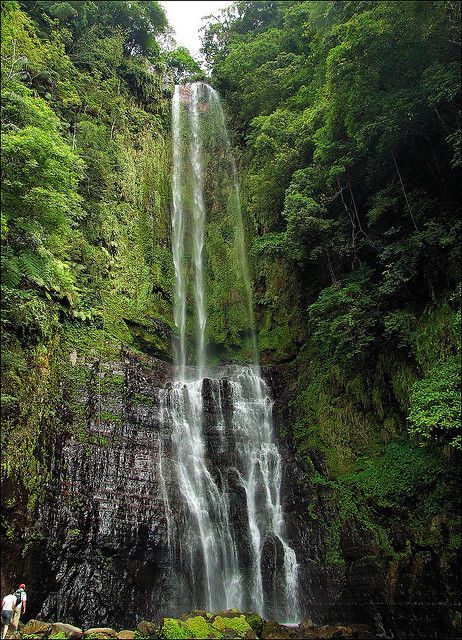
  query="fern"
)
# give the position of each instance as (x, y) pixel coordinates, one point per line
(11, 271)
(37, 267)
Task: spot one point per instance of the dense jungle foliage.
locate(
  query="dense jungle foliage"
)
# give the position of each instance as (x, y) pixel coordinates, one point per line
(346, 121)
(346, 118)
(86, 260)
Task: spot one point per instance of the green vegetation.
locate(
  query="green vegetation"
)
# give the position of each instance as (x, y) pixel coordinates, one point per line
(199, 627)
(347, 125)
(196, 627)
(86, 265)
(238, 624)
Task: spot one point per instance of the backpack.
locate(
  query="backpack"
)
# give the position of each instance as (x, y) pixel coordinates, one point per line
(18, 595)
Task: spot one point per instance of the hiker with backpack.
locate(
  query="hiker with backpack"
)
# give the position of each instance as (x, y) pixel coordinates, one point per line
(20, 606)
(8, 606)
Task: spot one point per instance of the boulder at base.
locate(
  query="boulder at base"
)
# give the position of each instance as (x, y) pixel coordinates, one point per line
(236, 624)
(68, 630)
(274, 631)
(254, 620)
(100, 632)
(126, 634)
(36, 628)
(207, 615)
(147, 629)
(308, 631)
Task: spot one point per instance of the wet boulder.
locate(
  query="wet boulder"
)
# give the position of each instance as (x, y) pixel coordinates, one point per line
(197, 612)
(36, 629)
(100, 633)
(274, 631)
(199, 628)
(308, 631)
(61, 629)
(147, 629)
(234, 622)
(255, 620)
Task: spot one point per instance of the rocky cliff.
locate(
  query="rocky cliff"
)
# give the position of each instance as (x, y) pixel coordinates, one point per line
(98, 552)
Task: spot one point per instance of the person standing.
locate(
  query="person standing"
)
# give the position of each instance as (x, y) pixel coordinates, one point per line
(21, 598)
(8, 606)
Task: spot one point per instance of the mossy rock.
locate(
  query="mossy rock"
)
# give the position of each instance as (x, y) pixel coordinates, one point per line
(274, 631)
(62, 630)
(193, 627)
(237, 623)
(100, 633)
(255, 620)
(207, 615)
(173, 629)
(200, 628)
(228, 613)
(36, 629)
(147, 629)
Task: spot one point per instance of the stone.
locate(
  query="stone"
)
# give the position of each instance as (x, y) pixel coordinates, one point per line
(325, 632)
(197, 612)
(173, 628)
(71, 632)
(198, 627)
(228, 613)
(233, 621)
(362, 631)
(148, 629)
(274, 631)
(126, 634)
(36, 628)
(100, 632)
(255, 620)
(228, 633)
(307, 630)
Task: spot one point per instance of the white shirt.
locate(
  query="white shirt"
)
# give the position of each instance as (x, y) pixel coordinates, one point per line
(9, 602)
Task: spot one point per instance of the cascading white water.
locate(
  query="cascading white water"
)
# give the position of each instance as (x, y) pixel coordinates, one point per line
(229, 510)
(198, 229)
(178, 239)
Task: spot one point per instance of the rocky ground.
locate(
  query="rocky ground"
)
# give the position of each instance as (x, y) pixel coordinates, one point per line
(197, 624)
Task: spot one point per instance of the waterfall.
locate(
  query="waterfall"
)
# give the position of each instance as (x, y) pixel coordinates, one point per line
(225, 514)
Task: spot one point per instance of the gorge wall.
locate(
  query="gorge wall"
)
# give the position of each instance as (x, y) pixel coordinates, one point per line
(100, 532)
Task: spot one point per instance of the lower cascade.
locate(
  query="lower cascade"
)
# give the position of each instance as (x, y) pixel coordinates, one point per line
(225, 516)
(231, 521)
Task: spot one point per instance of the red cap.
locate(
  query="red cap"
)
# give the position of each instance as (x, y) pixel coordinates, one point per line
(22, 586)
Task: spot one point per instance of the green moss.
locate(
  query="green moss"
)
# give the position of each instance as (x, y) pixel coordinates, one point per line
(401, 471)
(455, 542)
(400, 476)
(254, 620)
(109, 416)
(142, 399)
(173, 629)
(437, 335)
(238, 624)
(199, 628)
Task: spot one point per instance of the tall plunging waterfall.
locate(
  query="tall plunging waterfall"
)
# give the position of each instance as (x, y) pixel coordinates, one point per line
(226, 524)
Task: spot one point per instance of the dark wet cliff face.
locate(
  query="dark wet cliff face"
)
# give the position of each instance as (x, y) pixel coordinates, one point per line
(104, 517)
(101, 552)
